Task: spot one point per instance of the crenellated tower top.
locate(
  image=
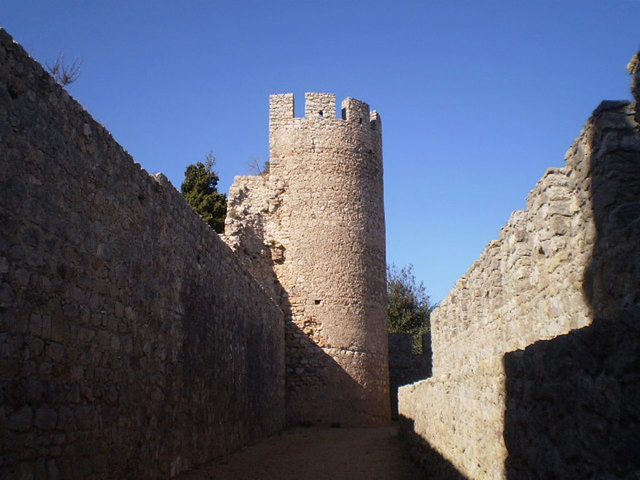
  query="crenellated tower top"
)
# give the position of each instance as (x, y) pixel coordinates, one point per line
(313, 233)
(320, 106)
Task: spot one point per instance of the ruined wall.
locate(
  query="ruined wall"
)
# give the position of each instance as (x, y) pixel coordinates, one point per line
(133, 342)
(312, 230)
(513, 393)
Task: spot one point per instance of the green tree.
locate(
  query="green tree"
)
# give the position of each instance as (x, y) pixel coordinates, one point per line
(409, 306)
(200, 189)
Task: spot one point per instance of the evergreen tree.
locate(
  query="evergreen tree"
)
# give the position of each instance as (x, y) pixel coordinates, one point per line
(409, 306)
(200, 190)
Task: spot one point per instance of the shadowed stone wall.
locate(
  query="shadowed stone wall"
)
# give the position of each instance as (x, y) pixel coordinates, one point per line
(133, 342)
(535, 348)
(405, 365)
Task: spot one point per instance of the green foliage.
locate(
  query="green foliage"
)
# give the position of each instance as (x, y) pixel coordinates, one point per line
(200, 190)
(409, 306)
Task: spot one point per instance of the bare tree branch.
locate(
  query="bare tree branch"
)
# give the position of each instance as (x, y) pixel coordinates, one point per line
(256, 169)
(63, 73)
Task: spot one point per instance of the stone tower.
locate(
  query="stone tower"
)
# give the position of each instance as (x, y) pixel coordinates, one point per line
(312, 231)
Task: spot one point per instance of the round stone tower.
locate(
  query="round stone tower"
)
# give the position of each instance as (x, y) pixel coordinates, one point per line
(313, 228)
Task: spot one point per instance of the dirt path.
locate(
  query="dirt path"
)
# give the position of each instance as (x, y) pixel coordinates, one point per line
(317, 454)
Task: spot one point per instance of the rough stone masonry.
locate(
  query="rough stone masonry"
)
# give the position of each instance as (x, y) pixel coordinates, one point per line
(536, 368)
(133, 343)
(312, 232)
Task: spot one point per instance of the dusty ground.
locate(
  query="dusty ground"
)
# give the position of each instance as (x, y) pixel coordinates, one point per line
(317, 454)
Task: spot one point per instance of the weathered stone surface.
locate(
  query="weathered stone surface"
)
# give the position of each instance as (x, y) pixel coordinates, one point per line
(533, 371)
(634, 70)
(134, 343)
(405, 365)
(312, 231)
(571, 408)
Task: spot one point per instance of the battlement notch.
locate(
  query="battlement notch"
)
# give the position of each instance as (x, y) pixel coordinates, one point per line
(320, 105)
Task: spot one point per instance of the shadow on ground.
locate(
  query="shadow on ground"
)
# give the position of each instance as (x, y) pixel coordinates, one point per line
(319, 454)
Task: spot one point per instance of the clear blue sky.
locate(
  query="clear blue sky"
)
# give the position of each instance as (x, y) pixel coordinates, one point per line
(478, 98)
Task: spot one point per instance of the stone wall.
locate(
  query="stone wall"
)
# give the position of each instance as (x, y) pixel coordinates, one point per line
(312, 231)
(529, 380)
(405, 365)
(133, 342)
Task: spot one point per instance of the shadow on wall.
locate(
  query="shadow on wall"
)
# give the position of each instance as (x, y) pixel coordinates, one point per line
(405, 366)
(319, 391)
(425, 455)
(121, 312)
(244, 408)
(573, 403)
(312, 375)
